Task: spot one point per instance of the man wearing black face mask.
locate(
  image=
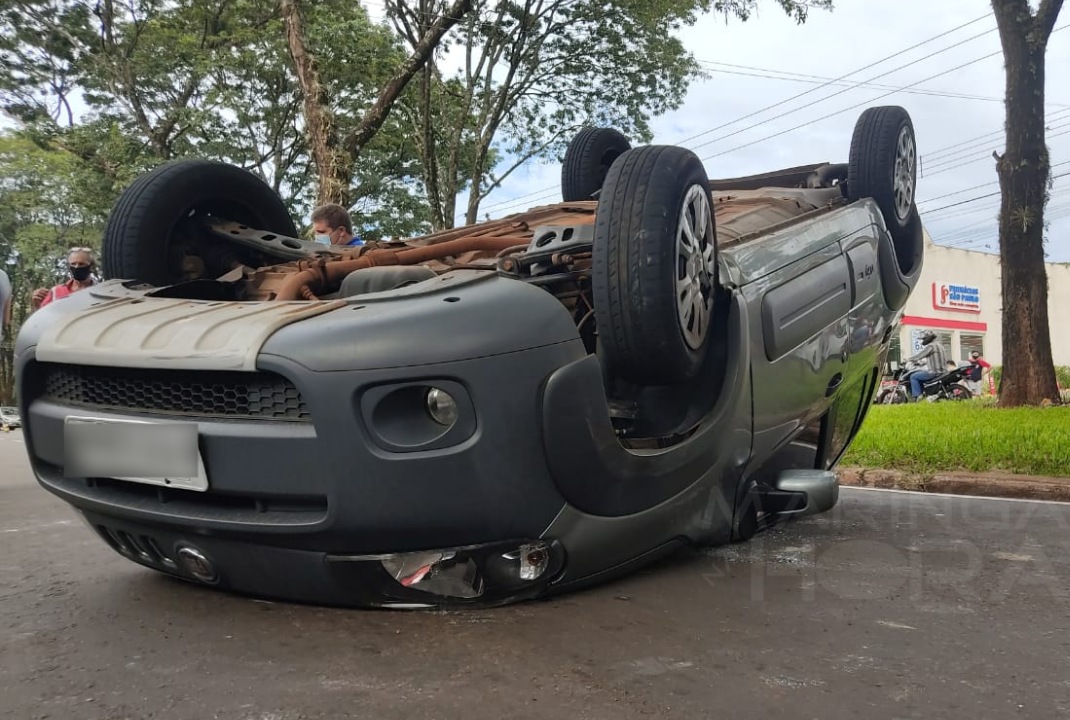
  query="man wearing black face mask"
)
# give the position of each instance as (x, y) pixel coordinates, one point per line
(80, 266)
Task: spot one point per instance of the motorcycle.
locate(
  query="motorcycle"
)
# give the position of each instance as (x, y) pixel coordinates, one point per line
(949, 385)
(893, 390)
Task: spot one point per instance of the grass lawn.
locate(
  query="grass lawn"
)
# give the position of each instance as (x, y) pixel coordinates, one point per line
(967, 436)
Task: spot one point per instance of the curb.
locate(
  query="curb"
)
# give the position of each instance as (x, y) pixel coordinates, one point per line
(999, 485)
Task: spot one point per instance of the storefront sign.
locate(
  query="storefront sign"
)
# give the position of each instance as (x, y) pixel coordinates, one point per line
(961, 298)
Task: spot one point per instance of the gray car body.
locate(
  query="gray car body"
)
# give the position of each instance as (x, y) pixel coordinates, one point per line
(806, 315)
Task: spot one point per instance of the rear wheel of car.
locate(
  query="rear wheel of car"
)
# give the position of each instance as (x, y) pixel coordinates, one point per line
(148, 235)
(883, 165)
(587, 161)
(655, 265)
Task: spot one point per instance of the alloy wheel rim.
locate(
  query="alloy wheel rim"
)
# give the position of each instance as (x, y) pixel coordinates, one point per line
(694, 267)
(906, 159)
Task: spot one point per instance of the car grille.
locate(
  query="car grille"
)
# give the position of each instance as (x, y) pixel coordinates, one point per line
(207, 394)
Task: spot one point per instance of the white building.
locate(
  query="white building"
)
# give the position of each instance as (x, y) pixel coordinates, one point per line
(959, 297)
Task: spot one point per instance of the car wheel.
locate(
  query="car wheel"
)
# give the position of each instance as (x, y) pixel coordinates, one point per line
(655, 265)
(587, 161)
(883, 165)
(145, 236)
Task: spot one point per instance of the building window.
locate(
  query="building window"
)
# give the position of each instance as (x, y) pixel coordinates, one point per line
(944, 338)
(969, 343)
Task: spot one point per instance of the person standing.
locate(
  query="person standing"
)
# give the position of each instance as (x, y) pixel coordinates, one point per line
(80, 266)
(978, 367)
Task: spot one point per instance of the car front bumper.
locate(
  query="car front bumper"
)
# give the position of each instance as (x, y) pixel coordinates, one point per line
(308, 510)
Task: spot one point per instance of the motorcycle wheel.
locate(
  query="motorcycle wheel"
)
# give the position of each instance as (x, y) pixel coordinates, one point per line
(958, 391)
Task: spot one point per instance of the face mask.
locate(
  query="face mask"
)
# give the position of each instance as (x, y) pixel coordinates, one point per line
(323, 239)
(81, 273)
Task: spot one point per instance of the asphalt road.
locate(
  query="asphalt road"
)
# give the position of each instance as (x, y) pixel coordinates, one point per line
(894, 605)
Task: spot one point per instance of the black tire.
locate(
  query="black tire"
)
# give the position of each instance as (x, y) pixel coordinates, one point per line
(875, 161)
(140, 236)
(587, 161)
(638, 266)
(958, 391)
(898, 396)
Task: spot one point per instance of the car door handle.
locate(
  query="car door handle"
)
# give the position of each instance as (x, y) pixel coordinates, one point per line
(834, 384)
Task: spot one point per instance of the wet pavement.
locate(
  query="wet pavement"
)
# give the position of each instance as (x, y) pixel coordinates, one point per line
(893, 605)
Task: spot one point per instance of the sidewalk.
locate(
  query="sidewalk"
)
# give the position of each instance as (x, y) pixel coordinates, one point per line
(991, 484)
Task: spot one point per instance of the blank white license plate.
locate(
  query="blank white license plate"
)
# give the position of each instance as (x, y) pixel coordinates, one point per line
(156, 453)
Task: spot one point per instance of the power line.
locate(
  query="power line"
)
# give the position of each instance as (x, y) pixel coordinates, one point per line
(770, 74)
(981, 236)
(851, 107)
(978, 187)
(993, 194)
(957, 192)
(842, 110)
(948, 163)
(962, 162)
(842, 77)
(1053, 212)
(546, 192)
(840, 92)
(982, 138)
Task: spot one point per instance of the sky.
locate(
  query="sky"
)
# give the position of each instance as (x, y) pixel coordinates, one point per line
(746, 117)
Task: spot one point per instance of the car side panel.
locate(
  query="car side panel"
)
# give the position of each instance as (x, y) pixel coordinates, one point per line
(794, 383)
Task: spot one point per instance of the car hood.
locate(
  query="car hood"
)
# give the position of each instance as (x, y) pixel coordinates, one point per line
(458, 315)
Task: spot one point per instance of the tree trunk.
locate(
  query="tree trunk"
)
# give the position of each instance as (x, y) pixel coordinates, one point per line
(333, 177)
(1028, 369)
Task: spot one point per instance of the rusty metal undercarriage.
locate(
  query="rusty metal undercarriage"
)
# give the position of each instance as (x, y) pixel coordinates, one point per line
(320, 271)
(508, 246)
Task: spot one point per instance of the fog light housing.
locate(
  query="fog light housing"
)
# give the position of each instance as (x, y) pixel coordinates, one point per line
(441, 406)
(531, 560)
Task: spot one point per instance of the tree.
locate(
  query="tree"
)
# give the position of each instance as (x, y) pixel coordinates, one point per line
(211, 79)
(534, 71)
(336, 150)
(50, 201)
(1024, 172)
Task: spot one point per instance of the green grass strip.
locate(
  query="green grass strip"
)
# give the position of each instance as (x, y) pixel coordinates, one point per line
(966, 436)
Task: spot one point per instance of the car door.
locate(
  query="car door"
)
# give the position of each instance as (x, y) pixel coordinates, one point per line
(800, 348)
(868, 338)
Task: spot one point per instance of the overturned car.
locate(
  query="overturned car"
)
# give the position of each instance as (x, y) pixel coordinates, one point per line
(492, 413)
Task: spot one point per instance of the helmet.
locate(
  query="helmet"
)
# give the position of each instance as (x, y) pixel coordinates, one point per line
(927, 337)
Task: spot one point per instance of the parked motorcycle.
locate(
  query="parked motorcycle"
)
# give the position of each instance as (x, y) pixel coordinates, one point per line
(893, 390)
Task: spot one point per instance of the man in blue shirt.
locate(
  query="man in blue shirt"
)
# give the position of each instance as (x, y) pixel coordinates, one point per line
(333, 226)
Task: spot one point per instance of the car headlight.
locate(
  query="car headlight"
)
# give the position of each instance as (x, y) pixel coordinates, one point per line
(441, 406)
